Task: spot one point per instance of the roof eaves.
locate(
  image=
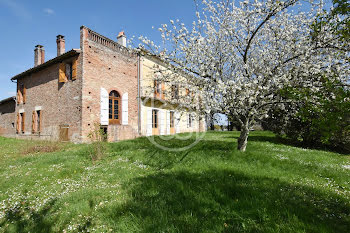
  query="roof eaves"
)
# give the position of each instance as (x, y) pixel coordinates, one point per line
(48, 63)
(8, 99)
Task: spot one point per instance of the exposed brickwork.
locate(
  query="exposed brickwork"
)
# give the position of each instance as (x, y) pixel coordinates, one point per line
(76, 104)
(60, 103)
(112, 69)
(7, 117)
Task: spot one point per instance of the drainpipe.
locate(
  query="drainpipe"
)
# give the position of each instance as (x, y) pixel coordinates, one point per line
(138, 92)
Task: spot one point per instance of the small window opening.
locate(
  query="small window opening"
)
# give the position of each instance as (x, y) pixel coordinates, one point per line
(38, 121)
(69, 71)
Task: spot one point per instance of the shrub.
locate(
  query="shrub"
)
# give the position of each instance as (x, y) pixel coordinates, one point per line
(98, 145)
(314, 118)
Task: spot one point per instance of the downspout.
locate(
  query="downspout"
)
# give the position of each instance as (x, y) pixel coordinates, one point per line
(138, 93)
(16, 90)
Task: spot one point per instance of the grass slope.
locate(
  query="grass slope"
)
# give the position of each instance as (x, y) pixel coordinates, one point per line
(212, 187)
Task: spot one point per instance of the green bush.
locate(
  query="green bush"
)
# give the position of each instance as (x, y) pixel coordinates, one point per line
(314, 116)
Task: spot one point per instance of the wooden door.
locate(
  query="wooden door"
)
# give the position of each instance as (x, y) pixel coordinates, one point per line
(64, 130)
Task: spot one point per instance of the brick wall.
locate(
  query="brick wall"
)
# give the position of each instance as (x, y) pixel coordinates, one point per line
(111, 68)
(60, 103)
(7, 118)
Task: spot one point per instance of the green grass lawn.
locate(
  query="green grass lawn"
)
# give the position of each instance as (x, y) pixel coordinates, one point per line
(212, 187)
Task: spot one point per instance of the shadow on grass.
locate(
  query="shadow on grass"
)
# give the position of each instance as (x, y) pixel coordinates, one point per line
(227, 201)
(22, 218)
(151, 155)
(289, 142)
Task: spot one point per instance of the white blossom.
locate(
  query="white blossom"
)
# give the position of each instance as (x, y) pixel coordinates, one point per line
(239, 55)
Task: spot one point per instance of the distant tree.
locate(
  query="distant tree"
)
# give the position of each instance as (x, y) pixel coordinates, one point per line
(241, 55)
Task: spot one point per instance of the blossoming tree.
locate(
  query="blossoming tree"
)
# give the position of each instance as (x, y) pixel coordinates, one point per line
(238, 56)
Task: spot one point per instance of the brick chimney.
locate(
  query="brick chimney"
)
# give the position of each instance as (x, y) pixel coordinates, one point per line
(121, 38)
(39, 55)
(61, 45)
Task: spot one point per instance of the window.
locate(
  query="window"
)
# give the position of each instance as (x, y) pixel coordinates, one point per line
(38, 121)
(22, 118)
(21, 94)
(154, 119)
(114, 107)
(189, 121)
(158, 89)
(175, 91)
(69, 71)
(172, 120)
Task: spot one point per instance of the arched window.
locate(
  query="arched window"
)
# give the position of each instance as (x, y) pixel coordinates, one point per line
(114, 108)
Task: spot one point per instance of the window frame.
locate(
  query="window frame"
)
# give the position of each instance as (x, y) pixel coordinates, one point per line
(175, 91)
(172, 119)
(69, 71)
(111, 109)
(189, 121)
(21, 93)
(22, 120)
(38, 121)
(155, 119)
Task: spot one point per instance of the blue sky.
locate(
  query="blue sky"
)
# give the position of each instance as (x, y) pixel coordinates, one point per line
(24, 24)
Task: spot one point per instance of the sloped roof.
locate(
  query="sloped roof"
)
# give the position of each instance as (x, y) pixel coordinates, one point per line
(8, 99)
(60, 58)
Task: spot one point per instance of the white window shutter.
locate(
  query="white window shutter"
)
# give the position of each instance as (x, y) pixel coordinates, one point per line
(104, 98)
(168, 122)
(149, 122)
(188, 120)
(177, 122)
(162, 122)
(125, 109)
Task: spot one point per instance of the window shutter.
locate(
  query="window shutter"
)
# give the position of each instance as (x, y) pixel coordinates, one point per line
(168, 122)
(188, 120)
(125, 109)
(74, 69)
(33, 122)
(161, 122)
(17, 123)
(24, 94)
(177, 122)
(163, 90)
(23, 122)
(18, 95)
(62, 78)
(104, 102)
(149, 122)
(155, 87)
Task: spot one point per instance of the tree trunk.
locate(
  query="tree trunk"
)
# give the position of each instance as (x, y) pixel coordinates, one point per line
(243, 137)
(210, 118)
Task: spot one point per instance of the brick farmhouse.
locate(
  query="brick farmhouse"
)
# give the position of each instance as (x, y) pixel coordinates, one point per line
(102, 83)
